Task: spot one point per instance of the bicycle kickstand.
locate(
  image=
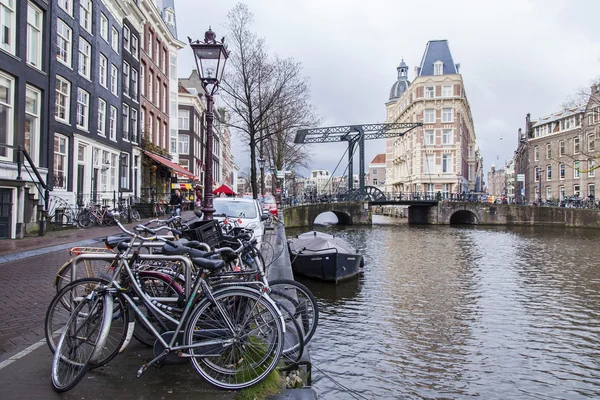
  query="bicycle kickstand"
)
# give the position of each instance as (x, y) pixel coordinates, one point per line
(145, 366)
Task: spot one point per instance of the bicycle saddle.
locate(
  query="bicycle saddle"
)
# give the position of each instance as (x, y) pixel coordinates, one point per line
(115, 240)
(207, 263)
(181, 249)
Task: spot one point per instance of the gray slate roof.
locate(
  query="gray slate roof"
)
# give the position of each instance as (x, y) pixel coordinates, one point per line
(169, 4)
(437, 50)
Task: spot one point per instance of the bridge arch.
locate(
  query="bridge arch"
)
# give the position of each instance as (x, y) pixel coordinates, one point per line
(463, 217)
(347, 213)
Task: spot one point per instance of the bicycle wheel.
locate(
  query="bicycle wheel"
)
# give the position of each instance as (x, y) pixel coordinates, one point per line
(86, 268)
(244, 356)
(60, 310)
(293, 346)
(135, 215)
(85, 219)
(81, 340)
(304, 307)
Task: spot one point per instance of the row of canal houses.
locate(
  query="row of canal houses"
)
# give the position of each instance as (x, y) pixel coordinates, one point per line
(89, 89)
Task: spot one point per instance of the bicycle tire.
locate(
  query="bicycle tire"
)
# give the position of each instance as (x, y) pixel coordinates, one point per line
(307, 308)
(85, 219)
(135, 215)
(59, 312)
(293, 345)
(256, 345)
(75, 351)
(85, 269)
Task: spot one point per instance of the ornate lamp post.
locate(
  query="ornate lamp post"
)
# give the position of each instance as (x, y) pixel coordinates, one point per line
(211, 57)
(261, 164)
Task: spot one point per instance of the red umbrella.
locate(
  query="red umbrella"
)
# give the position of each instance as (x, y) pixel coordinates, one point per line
(224, 189)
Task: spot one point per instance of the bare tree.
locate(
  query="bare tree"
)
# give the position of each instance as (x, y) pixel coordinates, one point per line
(256, 86)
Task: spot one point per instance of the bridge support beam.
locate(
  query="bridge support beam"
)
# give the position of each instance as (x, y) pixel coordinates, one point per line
(357, 213)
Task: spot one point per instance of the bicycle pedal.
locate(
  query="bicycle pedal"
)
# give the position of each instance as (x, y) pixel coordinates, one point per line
(142, 370)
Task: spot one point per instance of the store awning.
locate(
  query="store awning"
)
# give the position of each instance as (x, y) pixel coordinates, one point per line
(181, 186)
(178, 169)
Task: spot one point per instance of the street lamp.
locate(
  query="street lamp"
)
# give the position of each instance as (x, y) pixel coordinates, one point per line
(211, 57)
(261, 164)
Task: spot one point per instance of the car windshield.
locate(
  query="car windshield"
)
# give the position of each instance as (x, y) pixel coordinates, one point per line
(269, 200)
(237, 209)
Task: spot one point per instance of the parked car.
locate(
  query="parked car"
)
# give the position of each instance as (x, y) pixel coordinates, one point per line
(270, 205)
(247, 212)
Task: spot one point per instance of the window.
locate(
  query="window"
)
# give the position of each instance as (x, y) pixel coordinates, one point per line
(561, 146)
(446, 163)
(537, 174)
(156, 52)
(445, 190)
(150, 83)
(163, 63)
(536, 153)
(170, 14)
(85, 15)
(548, 192)
(576, 172)
(562, 169)
(63, 42)
(447, 115)
(429, 116)
(83, 106)
(438, 68)
(126, 38)
(184, 144)
(126, 122)
(429, 137)
(174, 145)
(173, 65)
(447, 136)
(150, 122)
(114, 79)
(165, 134)
(101, 117)
(102, 70)
(134, 84)
(60, 162)
(576, 145)
(164, 99)
(135, 47)
(125, 78)
(112, 124)
(66, 5)
(114, 39)
(184, 120)
(134, 125)
(149, 47)
(113, 171)
(447, 91)
(548, 172)
(429, 164)
(562, 192)
(591, 139)
(591, 168)
(548, 151)
(85, 58)
(104, 27)
(576, 190)
(592, 190)
(124, 171)
(33, 99)
(8, 24)
(157, 94)
(7, 87)
(63, 98)
(429, 92)
(34, 36)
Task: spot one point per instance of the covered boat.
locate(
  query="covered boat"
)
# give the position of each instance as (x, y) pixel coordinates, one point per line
(322, 256)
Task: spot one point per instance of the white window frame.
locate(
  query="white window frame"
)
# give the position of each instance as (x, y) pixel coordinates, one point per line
(126, 134)
(561, 148)
(576, 145)
(85, 15)
(183, 119)
(134, 125)
(548, 192)
(126, 76)
(446, 163)
(126, 38)
(592, 189)
(114, 39)
(447, 115)
(157, 52)
(124, 171)
(104, 27)
(65, 155)
(429, 165)
(576, 168)
(430, 112)
(9, 105)
(66, 6)
(562, 171)
(114, 79)
(548, 151)
(63, 99)
(183, 146)
(447, 91)
(150, 85)
(85, 58)
(103, 71)
(536, 153)
(83, 109)
(591, 142)
(112, 124)
(33, 113)
(8, 23)
(142, 82)
(101, 117)
(429, 137)
(135, 46)
(35, 41)
(429, 94)
(576, 190)
(134, 84)
(548, 172)
(447, 136)
(64, 35)
(591, 170)
(438, 68)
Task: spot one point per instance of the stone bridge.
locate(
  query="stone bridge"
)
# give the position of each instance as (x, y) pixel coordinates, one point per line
(447, 213)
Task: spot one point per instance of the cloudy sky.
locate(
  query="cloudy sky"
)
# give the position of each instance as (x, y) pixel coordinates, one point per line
(516, 56)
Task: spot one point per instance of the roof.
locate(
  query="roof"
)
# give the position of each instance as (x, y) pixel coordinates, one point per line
(379, 159)
(169, 5)
(400, 86)
(437, 50)
(559, 115)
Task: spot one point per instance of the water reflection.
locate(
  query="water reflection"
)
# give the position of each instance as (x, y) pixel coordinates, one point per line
(445, 312)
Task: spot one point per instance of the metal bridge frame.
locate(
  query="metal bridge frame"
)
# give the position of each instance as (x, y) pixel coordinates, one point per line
(354, 134)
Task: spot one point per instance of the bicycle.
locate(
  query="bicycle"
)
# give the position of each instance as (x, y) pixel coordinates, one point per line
(232, 336)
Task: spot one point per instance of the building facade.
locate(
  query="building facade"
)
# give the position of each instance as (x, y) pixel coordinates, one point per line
(377, 168)
(441, 156)
(496, 182)
(191, 144)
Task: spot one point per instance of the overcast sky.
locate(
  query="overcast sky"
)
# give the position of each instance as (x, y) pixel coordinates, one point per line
(516, 57)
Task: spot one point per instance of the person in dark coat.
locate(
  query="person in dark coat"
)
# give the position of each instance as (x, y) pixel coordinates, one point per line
(175, 203)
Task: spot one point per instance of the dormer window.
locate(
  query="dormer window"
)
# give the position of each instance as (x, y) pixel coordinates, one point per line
(438, 68)
(170, 16)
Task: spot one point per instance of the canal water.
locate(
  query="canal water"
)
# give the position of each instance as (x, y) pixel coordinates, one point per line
(461, 312)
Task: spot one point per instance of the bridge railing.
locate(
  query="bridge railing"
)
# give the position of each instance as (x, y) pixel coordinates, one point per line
(386, 196)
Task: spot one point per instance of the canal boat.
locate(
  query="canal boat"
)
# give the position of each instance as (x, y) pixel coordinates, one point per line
(323, 256)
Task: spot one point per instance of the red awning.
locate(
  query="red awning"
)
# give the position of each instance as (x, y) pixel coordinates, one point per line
(178, 169)
(225, 190)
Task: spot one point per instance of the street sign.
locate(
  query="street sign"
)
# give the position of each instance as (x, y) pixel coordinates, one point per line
(280, 174)
(520, 177)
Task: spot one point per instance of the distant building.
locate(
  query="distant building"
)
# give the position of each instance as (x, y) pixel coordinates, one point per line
(496, 182)
(321, 181)
(376, 176)
(442, 155)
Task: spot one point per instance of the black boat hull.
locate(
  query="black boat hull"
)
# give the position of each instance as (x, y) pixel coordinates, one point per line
(330, 267)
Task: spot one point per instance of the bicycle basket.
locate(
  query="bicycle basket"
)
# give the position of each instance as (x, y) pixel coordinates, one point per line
(208, 232)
